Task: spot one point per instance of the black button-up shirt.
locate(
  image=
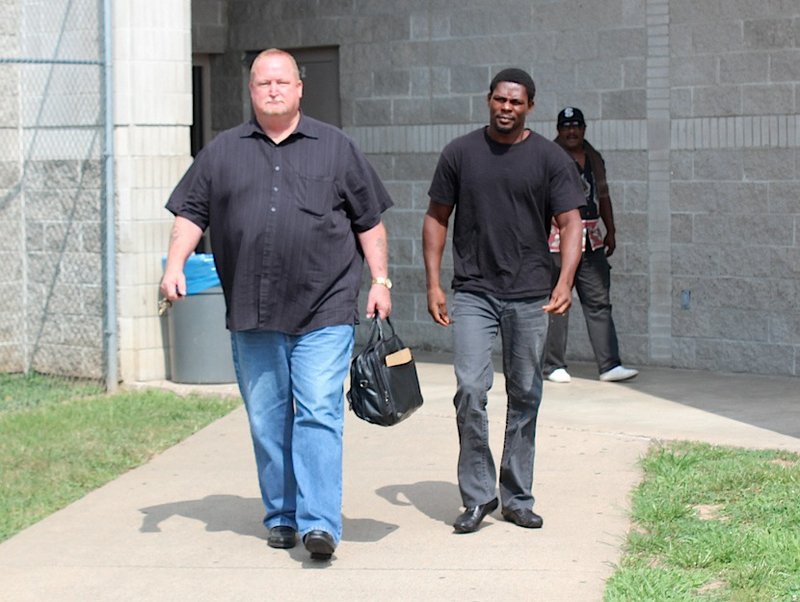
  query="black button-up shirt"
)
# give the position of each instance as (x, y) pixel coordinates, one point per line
(282, 220)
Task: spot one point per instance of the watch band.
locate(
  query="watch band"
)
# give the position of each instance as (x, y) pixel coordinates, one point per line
(384, 281)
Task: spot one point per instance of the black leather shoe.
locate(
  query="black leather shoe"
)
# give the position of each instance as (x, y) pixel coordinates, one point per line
(524, 518)
(281, 537)
(472, 517)
(320, 544)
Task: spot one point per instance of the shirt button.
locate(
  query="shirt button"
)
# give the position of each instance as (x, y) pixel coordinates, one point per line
(272, 209)
(277, 168)
(275, 189)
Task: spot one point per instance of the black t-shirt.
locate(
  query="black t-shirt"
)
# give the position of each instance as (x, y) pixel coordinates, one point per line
(283, 219)
(504, 197)
(587, 179)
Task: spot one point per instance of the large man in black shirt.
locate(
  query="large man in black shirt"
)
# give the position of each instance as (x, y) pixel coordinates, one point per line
(504, 183)
(293, 206)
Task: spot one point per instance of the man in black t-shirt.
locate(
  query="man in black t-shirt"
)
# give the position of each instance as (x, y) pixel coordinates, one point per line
(504, 182)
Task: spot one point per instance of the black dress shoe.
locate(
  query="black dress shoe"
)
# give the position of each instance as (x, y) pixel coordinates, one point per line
(472, 517)
(320, 544)
(524, 518)
(281, 537)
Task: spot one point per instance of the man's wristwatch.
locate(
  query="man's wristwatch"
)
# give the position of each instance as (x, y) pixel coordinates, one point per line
(384, 281)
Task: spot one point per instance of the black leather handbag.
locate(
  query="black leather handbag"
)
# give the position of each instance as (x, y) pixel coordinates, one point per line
(384, 387)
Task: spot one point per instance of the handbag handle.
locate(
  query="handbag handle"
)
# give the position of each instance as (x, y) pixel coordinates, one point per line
(376, 334)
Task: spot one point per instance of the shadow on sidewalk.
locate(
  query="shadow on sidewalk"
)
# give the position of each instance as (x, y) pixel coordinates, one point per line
(243, 516)
(437, 500)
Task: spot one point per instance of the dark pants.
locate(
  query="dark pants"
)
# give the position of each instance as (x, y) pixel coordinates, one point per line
(592, 281)
(522, 325)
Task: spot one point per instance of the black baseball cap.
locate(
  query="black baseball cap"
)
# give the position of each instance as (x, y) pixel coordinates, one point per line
(571, 116)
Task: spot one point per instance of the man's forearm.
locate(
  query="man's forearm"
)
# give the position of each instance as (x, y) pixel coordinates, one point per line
(375, 246)
(434, 236)
(184, 238)
(571, 233)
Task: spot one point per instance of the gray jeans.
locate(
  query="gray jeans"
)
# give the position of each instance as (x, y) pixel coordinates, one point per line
(522, 324)
(592, 281)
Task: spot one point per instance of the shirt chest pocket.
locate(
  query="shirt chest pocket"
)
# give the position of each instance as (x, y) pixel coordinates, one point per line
(315, 194)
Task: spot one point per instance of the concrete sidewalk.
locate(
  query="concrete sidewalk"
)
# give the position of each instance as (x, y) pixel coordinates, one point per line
(187, 525)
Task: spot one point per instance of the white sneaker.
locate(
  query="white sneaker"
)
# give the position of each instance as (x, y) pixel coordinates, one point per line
(617, 374)
(559, 375)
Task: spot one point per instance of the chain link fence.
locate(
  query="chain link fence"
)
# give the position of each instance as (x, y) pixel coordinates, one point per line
(52, 187)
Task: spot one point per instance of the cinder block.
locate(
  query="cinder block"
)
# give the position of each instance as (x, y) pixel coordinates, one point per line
(391, 83)
(727, 230)
(768, 99)
(576, 44)
(785, 329)
(718, 165)
(623, 42)
(725, 356)
(209, 39)
(783, 198)
(711, 35)
(784, 66)
(600, 74)
(470, 79)
(769, 164)
(406, 111)
(483, 22)
(451, 110)
(417, 166)
(683, 352)
(763, 34)
(372, 111)
(717, 101)
(624, 104)
(430, 25)
(695, 71)
(209, 12)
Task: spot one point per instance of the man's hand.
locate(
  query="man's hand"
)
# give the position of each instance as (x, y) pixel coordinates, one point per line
(437, 306)
(379, 300)
(173, 285)
(560, 300)
(184, 239)
(610, 242)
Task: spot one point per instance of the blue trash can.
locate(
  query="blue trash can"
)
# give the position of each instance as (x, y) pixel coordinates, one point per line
(199, 343)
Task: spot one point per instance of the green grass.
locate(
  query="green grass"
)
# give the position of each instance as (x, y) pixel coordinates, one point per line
(20, 391)
(712, 524)
(61, 439)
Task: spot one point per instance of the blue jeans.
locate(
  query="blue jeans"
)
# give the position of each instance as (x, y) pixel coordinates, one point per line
(293, 390)
(522, 323)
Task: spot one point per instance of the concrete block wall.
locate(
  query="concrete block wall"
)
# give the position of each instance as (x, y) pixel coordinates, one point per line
(209, 26)
(735, 135)
(11, 280)
(51, 183)
(152, 112)
(694, 105)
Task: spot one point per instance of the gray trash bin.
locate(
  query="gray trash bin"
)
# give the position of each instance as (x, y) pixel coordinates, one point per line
(200, 345)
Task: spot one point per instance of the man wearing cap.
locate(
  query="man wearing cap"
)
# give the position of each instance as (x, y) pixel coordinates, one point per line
(593, 278)
(505, 183)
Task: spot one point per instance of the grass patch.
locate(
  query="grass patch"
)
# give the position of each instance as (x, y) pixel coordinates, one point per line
(58, 446)
(710, 524)
(26, 391)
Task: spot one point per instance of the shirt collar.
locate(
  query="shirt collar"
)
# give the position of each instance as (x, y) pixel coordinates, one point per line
(306, 127)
